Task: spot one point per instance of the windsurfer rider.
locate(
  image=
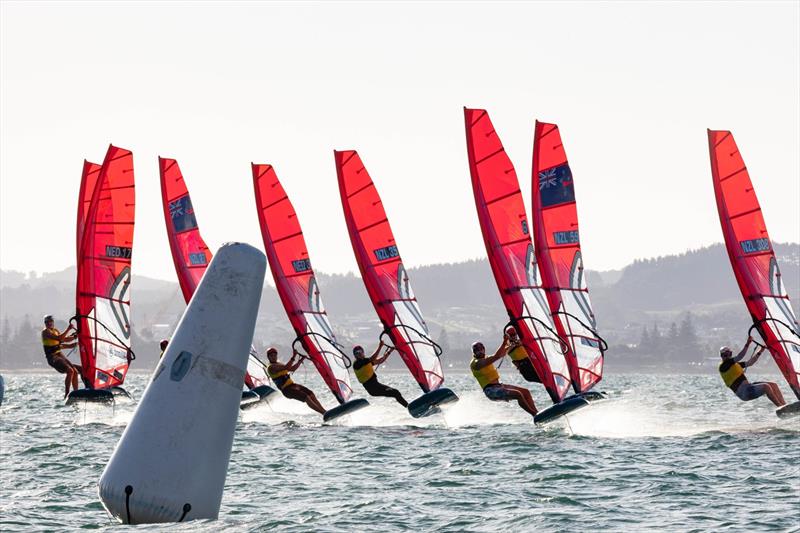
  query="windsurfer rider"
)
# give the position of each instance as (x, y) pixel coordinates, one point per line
(519, 356)
(364, 367)
(281, 375)
(163, 345)
(483, 370)
(53, 341)
(732, 371)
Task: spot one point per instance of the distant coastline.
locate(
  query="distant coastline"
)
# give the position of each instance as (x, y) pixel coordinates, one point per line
(667, 314)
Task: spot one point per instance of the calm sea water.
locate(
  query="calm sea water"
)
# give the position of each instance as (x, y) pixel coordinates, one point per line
(673, 452)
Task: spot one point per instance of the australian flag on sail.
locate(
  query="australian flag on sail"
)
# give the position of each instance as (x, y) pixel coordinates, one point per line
(555, 186)
(182, 214)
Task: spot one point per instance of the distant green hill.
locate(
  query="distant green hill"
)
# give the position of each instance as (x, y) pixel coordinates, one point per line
(459, 300)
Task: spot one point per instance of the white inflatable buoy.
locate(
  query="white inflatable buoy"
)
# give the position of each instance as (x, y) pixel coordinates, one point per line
(171, 462)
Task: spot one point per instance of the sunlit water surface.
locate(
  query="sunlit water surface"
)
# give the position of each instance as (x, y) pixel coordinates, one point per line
(671, 452)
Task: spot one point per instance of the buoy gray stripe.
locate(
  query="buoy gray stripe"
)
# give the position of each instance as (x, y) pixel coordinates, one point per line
(219, 371)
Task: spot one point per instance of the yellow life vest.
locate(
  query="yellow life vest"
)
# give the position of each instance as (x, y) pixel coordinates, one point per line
(280, 378)
(51, 346)
(486, 375)
(364, 373)
(518, 354)
(732, 374)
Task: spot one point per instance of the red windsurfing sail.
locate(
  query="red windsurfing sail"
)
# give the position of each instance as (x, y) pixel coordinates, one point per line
(104, 274)
(190, 254)
(383, 273)
(750, 251)
(296, 283)
(91, 171)
(558, 251)
(506, 234)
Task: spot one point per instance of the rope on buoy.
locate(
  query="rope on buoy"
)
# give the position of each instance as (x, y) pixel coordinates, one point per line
(128, 492)
(186, 508)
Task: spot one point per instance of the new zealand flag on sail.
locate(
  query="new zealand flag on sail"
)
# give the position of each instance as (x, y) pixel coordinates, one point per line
(555, 186)
(182, 214)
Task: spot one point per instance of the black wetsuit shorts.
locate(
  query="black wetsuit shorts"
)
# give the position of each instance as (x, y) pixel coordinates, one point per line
(527, 371)
(376, 388)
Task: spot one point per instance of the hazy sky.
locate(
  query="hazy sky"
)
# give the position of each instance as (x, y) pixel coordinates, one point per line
(633, 88)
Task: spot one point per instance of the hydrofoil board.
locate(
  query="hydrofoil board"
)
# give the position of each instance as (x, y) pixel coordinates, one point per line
(256, 396)
(789, 410)
(344, 409)
(96, 395)
(429, 403)
(567, 405)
